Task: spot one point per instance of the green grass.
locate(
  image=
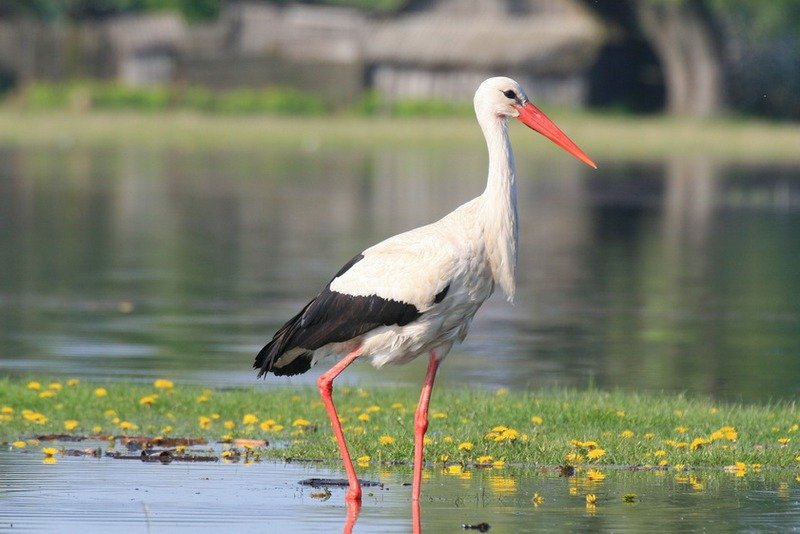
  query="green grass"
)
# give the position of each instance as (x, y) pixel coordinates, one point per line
(541, 428)
(604, 137)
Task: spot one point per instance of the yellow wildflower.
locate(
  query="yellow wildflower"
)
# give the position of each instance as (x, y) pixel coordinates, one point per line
(34, 385)
(166, 429)
(71, 424)
(573, 457)
(249, 419)
(626, 434)
(73, 382)
(697, 443)
(163, 383)
(398, 406)
(784, 441)
(100, 392)
(34, 417)
(454, 469)
(465, 446)
(363, 417)
(681, 429)
(620, 413)
(499, 464)
(147, 400)
(595, 454)
(363, 461)
(591, 499)
(537, 499)
(659, 453)
(649, 435)
(127, 425)
(537, 420)
(447, 439)
(229, 425)
(19, 444)
(49, 460)
(373, 409)
(49, 451)
(439, 415)
(6, 409)
(502, 392)
(276, 428)
(47, 394)
(301, 422)
(55, 386)
(386, 440)
(204, 421)
(97, 429)
(269, 424)
(484, 459)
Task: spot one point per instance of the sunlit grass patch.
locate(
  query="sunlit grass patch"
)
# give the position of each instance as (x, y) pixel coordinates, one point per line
(475, 429)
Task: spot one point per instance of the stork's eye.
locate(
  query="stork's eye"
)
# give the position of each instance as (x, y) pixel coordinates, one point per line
(510, 94)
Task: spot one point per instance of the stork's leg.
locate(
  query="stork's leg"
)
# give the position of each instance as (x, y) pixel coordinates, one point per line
(325, 385)
(421, 424)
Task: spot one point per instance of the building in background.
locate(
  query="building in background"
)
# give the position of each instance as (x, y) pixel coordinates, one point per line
(431, 49)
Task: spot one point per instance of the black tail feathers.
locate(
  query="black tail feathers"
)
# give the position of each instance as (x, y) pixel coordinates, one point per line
(293, 362)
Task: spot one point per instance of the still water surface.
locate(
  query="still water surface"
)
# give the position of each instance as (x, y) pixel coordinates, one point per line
(97, 495)
(131, 263)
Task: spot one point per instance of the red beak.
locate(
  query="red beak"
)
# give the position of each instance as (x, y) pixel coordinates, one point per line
(530, 116)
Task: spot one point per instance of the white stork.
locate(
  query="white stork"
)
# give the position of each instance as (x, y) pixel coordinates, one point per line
(418, 291)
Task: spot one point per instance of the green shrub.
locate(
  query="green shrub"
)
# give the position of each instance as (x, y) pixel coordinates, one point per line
(117, 96)
(46, 96)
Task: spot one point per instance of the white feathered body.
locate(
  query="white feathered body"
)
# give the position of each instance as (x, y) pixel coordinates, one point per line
(416, 292)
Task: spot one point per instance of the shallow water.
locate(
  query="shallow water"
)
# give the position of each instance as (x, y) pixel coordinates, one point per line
(100, 494)
(123, 262)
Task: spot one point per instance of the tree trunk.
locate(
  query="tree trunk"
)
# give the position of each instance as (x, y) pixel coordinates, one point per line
(683, 36)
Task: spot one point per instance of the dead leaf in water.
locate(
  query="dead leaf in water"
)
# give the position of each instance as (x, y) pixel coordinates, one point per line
(321, 495)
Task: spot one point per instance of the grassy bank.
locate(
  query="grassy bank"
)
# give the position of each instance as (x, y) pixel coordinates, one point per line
(602, 136)
(466, 427)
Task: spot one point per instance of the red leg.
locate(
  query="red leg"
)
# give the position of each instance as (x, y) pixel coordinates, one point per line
(325, 385)
(353, 509)
(421, 424)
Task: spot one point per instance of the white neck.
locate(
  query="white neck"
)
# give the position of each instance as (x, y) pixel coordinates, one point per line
(499, 204)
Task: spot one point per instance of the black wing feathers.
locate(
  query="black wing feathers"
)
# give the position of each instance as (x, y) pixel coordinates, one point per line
(330, 318)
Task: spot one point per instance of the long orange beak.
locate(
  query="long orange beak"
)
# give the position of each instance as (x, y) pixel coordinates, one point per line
(530, 116)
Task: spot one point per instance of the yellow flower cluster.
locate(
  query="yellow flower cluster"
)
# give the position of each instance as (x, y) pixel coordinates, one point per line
(34, 417)
(502, 434)
(589, 448)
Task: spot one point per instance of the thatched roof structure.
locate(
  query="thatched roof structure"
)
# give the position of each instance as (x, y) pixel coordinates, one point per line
(132, 33)
(538, 35)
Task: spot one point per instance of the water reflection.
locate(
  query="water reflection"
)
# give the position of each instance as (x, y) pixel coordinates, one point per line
(676, 275)
(98, 494)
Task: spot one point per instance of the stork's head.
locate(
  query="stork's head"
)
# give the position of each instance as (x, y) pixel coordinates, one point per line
(502, 98)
